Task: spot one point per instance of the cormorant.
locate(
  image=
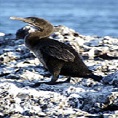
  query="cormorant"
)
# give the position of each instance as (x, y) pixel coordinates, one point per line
(57, 57)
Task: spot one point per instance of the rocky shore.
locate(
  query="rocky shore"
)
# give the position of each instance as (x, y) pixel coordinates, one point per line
(81, 98)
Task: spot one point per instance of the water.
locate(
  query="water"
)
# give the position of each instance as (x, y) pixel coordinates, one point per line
(88, 17)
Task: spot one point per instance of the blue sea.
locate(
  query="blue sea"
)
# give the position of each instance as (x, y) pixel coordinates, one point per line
(88, 17)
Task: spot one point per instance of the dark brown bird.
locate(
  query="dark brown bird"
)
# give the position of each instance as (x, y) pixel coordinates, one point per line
(57, 57)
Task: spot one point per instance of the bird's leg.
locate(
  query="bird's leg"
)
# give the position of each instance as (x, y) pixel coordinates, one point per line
(68, 80)
(55, 74)
(53, 80)
(54, 69)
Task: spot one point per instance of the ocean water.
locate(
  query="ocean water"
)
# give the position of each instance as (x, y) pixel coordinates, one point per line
(88, 17)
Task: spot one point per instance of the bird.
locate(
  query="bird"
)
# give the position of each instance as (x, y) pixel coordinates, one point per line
(57, 57)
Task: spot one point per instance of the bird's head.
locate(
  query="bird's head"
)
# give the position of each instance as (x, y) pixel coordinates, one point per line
(38, 24)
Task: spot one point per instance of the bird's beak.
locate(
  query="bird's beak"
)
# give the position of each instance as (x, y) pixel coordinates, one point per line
(21, 19)
(18, 18)
(26, 21)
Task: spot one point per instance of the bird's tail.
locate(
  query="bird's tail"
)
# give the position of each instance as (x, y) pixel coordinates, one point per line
(96, 77)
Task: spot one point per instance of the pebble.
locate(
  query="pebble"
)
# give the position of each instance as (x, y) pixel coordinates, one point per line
(111, 79)
(2, 34)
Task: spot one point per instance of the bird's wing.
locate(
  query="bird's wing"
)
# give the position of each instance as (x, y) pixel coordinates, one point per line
(58, 51)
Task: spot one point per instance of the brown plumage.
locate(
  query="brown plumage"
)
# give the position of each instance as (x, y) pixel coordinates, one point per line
(57, 57)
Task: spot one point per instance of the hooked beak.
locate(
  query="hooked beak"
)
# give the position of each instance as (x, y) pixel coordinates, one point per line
(26, 21)
(19, 18)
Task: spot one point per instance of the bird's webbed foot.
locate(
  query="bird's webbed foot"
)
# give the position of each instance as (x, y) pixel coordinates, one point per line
(50, 83)
(60, 82)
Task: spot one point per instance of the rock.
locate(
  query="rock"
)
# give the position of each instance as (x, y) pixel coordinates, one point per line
(111, 79)
(2, 34)
(82, 97)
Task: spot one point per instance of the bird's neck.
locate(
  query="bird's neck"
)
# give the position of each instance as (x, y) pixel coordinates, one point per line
(33, 38)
